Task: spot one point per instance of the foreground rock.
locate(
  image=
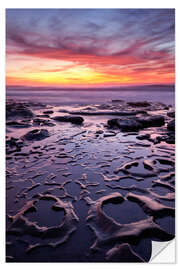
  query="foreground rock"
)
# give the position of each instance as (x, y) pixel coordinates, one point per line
(72, 119)
(171, 125)
(171, 114)
(21, 225)
(79, 164)
(135, 124)
(168, 138)
(107, 230)
(48, 112)
(139, 104)
(18, 109)
(143, 137)
(152, 121)
(151, 206)
(13, 145)
(36, 135)
(115, 112)
(17, 124)
(123, 253)
(125, 125)
(43, 122)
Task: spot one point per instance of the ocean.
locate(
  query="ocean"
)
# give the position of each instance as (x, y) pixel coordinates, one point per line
(162, 94)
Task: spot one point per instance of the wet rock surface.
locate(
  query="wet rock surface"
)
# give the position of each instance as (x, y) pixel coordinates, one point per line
(135, 124)
(123, 253)
(126, 125)
(42, 122)
(109, 188)
(171, 114)
(21, 225)
(72, 119)
(152, 121)
(171, 125)
(18, 109)
(139, 104)
(17, 124)
(36, 135)
(48, 112)
(143, 137)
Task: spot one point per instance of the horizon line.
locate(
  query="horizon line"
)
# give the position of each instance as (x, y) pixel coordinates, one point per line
(21, 87)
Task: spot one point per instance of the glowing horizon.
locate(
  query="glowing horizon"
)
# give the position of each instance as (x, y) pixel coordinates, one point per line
(89, 47)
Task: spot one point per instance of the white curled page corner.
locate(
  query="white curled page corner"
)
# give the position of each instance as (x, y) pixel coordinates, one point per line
(163, 252)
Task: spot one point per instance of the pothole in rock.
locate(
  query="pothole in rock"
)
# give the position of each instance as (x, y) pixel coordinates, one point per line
(126, 212)
(73, 189)
(167, 224)
(139, 169)
(45, 215)
(140, 151)
(161, 190)
(127, 182)
(57, 192)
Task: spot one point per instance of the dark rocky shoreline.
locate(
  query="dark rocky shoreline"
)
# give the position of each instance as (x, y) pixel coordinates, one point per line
(71, 157)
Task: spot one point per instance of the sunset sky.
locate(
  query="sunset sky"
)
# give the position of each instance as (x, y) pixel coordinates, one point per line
(89, 47)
